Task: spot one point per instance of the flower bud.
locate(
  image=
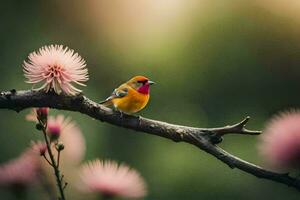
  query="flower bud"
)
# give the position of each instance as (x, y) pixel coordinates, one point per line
(39, 126)
(42, 114)
(53, 131)
(60, 146)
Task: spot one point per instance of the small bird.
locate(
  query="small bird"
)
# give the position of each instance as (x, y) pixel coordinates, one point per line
(130, 97)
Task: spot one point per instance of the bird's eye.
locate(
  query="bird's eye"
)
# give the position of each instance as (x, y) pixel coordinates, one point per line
(143, 81)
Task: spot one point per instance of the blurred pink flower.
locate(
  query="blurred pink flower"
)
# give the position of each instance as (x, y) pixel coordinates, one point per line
(280, 141)
(22, 171)
(110, 179)
(56, 67)
(54, 128)
(42, 113)
(32, 115)
(39, 147)
(38, 113)
(70, 136)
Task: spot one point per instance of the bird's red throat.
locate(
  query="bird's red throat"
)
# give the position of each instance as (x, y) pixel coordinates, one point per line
(144, 89)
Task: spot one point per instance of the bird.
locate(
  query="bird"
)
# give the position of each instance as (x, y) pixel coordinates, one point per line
(130, 97)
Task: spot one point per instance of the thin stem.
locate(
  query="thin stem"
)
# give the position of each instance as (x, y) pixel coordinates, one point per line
(47, 160)
(54, 165)
(58, 157)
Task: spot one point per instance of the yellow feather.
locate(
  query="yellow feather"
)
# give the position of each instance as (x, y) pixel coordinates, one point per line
(128, 98)
(132, 102)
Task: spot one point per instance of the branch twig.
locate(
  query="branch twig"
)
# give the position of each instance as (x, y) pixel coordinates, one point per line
(47, 160)
(53, 163)
(203, 138)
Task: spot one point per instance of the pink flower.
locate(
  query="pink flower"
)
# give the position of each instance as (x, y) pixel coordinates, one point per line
(110, 179)
(56, 67)
(42, 113)
(32, 117)
(54, 129)
(70, 135)
(22, 171)
(280, 141)
(39, 147)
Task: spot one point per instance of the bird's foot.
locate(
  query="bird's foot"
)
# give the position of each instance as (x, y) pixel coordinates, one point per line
(118, 111)
(121, 114)
(139, 118)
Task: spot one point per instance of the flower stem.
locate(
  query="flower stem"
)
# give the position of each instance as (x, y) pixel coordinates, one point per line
(54, 164)
(47, 160)
(58, 158)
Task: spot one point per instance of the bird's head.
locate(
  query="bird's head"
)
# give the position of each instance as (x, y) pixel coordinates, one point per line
(140, 84)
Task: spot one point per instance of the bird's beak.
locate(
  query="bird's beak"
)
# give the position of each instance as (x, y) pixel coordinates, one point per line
(151, 82)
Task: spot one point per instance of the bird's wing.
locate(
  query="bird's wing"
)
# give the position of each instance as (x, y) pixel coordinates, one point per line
(119, 92)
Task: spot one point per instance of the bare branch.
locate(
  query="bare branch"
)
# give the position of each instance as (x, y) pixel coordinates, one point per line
(203, 138)
(238, 128)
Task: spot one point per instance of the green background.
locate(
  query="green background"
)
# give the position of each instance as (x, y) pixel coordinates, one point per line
(215, 62)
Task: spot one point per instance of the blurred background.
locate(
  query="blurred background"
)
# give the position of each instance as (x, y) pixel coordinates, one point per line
(215, 62)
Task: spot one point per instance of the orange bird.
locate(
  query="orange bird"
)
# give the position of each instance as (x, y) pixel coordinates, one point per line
(130, 97)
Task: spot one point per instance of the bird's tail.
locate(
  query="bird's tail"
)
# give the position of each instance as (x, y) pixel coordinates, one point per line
(106, 102)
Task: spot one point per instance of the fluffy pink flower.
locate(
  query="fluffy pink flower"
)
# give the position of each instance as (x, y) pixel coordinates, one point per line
(110, 179)
(22, 171)
(56, 67)
(70, 135)
(280, 141)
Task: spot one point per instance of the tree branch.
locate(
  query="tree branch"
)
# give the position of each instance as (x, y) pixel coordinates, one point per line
(204, 138)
